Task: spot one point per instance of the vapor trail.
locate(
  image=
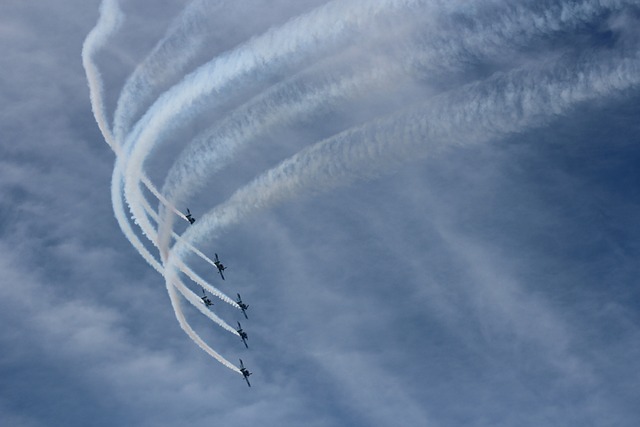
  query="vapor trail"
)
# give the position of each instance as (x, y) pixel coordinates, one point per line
(283, 104)
(198, 29)
(125, 226)
(154, 237)
(274, 52)
(297, 99)
(183, 267)
(195, 300)
(507, 103)
(109, 22)
(169, 59)
(175, 302)
(205, 285)
(478, 112)
(521, 23)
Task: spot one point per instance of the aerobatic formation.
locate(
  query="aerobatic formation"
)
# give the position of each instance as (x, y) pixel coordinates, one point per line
(421, 75)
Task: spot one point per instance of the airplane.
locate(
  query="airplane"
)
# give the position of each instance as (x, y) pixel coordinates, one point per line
(189, 217)
(243, 335)
(205, 299)
(220, 266)
(242, 306)
(245, 373)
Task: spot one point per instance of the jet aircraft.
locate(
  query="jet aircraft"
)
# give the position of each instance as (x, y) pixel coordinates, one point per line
(245, 373)
(220, 266)
(242, 306)
(243, 335)
(190, 218)
(205, 299)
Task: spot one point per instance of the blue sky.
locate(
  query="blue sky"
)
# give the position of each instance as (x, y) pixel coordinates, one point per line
(431, 209)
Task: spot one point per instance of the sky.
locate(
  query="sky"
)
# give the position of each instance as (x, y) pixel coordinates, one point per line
(431, 208)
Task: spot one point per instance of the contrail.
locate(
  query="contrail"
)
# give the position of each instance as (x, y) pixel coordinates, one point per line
(175, 302)
(196, 30)
(283, 104)
(205, 285)
(169, 59)
(148, 209)
(183, 267)
(273, 52)
(195, 300)
(520, 24)
(109, 22)
(478, 112)
(125, 226)
(186, 270)
(509, 102)
(296, 99)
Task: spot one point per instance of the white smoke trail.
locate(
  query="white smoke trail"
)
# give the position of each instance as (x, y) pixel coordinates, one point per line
(196, 301)
(277, 49)
(125, 226)
(175, 302)
(109, 22)
(169, 58)
(209, 153)
(479, 112)
(196, 29)
(464, 116)
(111, 18)
(513, 27)
(183, 267)
(205, 285)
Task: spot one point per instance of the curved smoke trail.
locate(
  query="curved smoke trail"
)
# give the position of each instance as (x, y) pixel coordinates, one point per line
(297, 99)
(109, 22)
(277, 51)
(492, 109)
(298, 55)
(111, 18)
(194, 31)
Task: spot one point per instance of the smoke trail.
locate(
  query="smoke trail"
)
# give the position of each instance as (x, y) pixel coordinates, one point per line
(111, 18)
(119, 210)
(285, 103)
(205, 285)
(193, 31)
(175, 303)
(183, 267)
(479, 112)
(109, 22)
(294, 100)
(169, 58)
(275, 51)
(514, 29)
(195, 300)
